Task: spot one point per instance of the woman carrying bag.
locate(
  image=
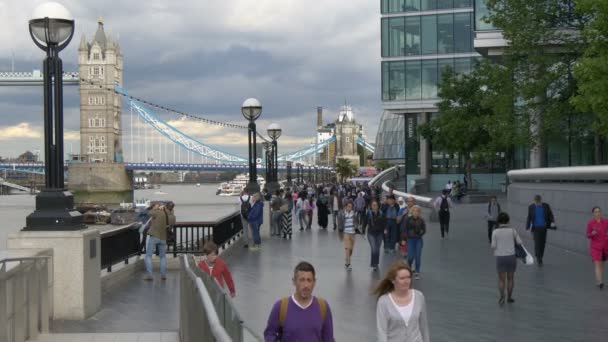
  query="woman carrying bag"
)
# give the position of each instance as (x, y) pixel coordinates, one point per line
(504, 240)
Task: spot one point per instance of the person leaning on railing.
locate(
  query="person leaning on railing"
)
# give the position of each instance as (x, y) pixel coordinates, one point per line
(163, 219)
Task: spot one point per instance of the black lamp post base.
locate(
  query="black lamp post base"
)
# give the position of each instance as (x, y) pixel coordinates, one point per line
(273, 187)
(54, 211)
(253, 188)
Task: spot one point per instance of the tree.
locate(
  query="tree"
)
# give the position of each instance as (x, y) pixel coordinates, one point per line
(383, 164)
(591, 69)
(544, 44)
(345, 169)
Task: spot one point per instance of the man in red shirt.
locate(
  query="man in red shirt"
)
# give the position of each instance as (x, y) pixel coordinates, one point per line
(216, 267)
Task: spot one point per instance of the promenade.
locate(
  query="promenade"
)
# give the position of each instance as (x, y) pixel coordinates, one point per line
(558, 302)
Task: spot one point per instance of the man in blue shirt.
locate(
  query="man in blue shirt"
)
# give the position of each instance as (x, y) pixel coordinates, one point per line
(540, 218)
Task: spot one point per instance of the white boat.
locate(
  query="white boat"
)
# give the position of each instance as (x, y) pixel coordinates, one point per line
(235, 186)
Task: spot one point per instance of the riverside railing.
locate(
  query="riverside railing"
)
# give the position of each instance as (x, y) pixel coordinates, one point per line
(191, 236)
(207, 314)
(26, 287)
(118, 245)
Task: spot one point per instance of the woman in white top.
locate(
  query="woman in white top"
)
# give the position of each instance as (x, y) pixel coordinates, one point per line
(503, 242)
(401, 310)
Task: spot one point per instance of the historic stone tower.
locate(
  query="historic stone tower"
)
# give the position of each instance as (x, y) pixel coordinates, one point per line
(347, 132)
(100, 62)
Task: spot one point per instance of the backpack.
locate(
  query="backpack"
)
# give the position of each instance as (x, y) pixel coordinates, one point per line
(444, 204)
(245, 207)
(285, 304)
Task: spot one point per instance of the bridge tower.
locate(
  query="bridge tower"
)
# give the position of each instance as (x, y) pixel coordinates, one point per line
(100, 63)
(347, 132)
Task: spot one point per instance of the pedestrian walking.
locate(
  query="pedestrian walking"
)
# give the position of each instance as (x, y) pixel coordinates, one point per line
(302, 316)
(540, 218)
(390, 209)
(213, 265)
(276, 216)
(309, 208)
(443, 204)
(504, 239)
(323, 210)
(492, 216)
(597, 232)
(145, 220)
(335, 201)
(286, 210)
(301, 213)
(360, 205)
(375, 224)
(256, 218)
(163, 220)
(348, 225)
(415, 228)
(401, 313)
(245, 202)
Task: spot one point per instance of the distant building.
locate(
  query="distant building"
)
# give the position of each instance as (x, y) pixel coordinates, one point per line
(346, 130)
(101, 64)
(27, 157)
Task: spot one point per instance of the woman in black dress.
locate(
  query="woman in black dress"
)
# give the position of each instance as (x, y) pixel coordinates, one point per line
(322, 210)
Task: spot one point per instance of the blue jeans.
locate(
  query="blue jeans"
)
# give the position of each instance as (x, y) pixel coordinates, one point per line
(255, 231)
(275, 225)
(414, 252)
(301, 219)
(154, 242)
(390, 239)
(375, 241)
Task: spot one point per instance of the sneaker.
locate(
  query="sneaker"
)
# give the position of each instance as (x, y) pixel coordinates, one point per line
(374, 268)
(510, 300)
(416, 275)
(245, 246)
(164, 277)
(148, 277)
(348, 267)
(600, 286)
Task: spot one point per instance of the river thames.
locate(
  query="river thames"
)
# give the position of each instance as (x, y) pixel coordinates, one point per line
(192, 203)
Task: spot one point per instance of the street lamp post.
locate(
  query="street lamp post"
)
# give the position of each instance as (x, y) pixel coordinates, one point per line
(289, 166)
(267, 155)
(251, 110)
(274, 132)
(52, 28)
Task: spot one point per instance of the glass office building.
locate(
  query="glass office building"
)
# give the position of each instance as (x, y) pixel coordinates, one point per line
(420, 38)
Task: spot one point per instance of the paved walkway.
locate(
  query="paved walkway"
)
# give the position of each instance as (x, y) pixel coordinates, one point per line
(101, 337)
(132, 306)
(558, 302)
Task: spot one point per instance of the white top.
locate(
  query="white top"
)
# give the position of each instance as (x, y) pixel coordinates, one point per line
(336, 206)
(293, 298)
(349, 222)
(405, 311)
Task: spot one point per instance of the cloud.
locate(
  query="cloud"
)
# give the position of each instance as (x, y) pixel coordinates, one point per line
(20, 131)
(206, 57)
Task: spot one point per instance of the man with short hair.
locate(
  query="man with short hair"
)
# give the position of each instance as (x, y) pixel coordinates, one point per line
(540, 218)
(301, 317)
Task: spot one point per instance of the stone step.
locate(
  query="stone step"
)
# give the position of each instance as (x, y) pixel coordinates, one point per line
(110, 337)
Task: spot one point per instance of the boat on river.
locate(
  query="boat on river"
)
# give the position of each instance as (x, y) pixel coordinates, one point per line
(235, 186)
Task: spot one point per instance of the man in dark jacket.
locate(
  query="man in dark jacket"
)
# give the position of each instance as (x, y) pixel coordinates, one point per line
(540, 218)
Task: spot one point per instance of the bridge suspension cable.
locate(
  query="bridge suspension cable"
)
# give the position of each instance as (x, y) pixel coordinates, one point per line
(189, 143)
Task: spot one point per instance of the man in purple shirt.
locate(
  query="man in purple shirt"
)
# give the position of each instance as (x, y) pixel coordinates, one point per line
(301, 317)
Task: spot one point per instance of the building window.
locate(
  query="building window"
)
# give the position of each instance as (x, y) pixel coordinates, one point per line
(419, 79)
(481, 12)
(97, 144)
(348, 139)
(427, 34)
(97, 100)
(96, 56)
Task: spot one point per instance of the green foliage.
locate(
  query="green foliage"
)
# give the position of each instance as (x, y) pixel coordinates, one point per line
(591, 70)
(544, 47)
(383, 164)
(345, 169)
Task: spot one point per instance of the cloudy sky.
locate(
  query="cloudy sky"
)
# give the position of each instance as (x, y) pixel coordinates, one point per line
(205, 57)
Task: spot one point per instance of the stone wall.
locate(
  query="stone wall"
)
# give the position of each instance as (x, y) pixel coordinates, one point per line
(100, 183)
(571, 204)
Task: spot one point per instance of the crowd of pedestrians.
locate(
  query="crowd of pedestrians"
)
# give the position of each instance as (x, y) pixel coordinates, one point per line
(396, 223)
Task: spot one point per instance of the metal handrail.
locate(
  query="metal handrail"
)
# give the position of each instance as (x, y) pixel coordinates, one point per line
(383, 176)
(217, 330)
(570, 174)
(420, 200)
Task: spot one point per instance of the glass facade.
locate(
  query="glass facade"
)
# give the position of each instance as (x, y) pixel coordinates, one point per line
(400, 6)
(427, 34)
(418, 79)
(389, 139)
(481, 12)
